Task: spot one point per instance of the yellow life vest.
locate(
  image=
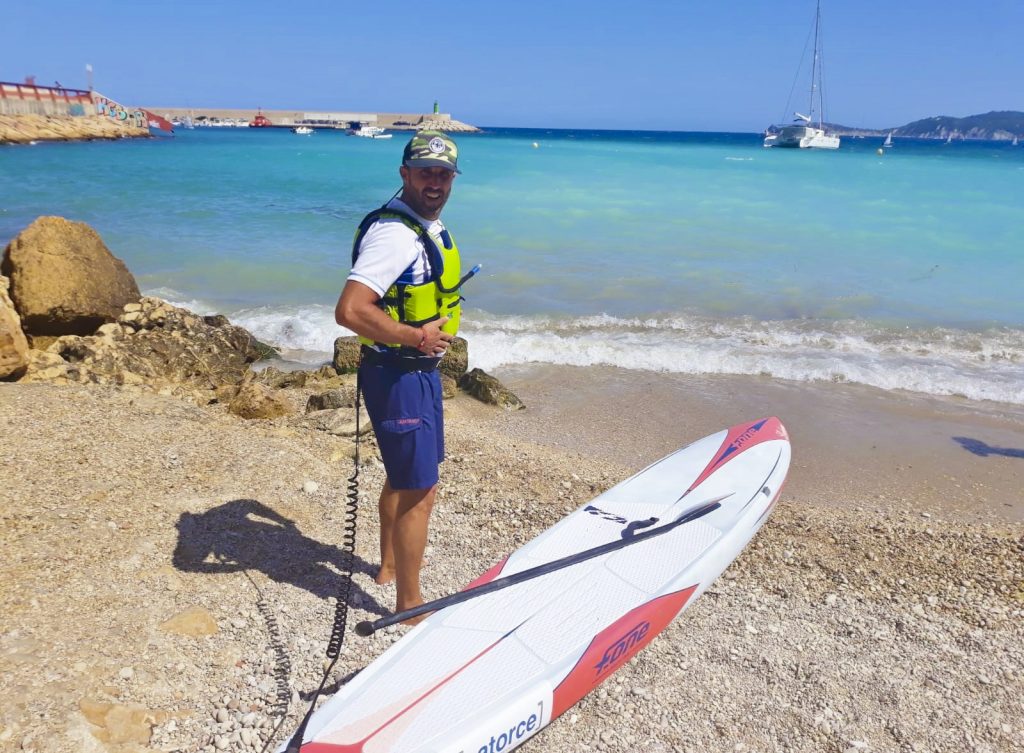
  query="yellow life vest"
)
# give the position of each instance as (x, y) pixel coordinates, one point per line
(439, 296)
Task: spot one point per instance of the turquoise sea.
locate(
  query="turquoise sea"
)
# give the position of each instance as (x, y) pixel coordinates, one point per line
(682, 252)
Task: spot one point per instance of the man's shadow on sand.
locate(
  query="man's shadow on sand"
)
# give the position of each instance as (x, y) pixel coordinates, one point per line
(245, 534)
(983, 450)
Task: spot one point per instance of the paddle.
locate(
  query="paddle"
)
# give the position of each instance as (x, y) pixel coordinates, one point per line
(367, 627)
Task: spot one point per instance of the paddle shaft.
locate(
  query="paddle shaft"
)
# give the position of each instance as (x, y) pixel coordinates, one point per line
(368, 627)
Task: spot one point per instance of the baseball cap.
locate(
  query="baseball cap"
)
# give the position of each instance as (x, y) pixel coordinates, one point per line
(431, 149)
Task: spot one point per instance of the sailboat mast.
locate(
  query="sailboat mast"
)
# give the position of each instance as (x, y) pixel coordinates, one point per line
(815, 67)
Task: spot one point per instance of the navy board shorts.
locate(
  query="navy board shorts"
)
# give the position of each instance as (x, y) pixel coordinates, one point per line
(407, 417)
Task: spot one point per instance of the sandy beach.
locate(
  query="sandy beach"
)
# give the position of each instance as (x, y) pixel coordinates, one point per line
(169, 569)
(896, 451)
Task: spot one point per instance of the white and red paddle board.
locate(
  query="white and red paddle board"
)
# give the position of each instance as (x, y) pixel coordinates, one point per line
(486, 675)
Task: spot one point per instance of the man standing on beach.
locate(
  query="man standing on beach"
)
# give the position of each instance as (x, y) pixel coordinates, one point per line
(402, 299)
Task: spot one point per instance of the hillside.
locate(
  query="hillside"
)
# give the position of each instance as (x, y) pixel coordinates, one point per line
(990, 126)
(997, 126)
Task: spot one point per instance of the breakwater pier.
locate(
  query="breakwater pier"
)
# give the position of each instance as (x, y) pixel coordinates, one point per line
(316, 118)
(30, 113)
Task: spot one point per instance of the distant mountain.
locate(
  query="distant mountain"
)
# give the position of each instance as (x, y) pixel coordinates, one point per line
(992, 126)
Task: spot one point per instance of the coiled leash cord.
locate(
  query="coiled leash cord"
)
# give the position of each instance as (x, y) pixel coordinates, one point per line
(282, 666)
(348, 550)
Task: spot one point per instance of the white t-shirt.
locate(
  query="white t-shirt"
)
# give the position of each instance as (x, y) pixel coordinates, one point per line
(390, 247)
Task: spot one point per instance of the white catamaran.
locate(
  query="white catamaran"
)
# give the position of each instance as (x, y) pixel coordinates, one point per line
(806, 131)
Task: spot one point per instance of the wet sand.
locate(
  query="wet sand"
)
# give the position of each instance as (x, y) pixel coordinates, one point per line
(851, 444)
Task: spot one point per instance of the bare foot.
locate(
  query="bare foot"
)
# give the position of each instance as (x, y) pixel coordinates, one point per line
(415, 620)
(384, 575)
(401, 607)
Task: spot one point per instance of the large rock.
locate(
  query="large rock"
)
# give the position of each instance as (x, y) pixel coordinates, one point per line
(456, 360)
(13, 345)
(44, 366)
(486, 388)
(158, 344)
(64, 280)
(346, 355)
(255, 400)
(330, 400)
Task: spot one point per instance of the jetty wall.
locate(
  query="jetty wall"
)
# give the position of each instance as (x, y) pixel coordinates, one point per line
(30, 113)
(341, 118)
(59, 102)
(53, 101)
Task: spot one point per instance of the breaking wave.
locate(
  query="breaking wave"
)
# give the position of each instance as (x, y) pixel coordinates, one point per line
(978, 365)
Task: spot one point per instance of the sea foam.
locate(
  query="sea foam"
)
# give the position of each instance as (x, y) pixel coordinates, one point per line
(985, 365)
(982, 365)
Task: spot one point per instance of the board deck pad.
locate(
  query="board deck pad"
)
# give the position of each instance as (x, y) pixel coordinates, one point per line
(486, 675)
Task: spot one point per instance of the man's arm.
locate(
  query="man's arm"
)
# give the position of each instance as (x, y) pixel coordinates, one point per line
(358, 311)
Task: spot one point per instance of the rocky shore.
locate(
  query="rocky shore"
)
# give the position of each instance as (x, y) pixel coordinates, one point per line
(169, 575)
(25, 129)
(170, 555)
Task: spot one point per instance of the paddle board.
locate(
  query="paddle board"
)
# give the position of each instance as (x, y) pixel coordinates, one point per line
(486, 675)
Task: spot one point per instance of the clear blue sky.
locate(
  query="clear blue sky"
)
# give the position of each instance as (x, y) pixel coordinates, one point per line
(648, 64)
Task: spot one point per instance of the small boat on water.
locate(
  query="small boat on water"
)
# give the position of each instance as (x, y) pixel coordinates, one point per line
(158, 125)
(367, 131)
(302, 130)
(888, 141)
(807, 131)
(260, 121)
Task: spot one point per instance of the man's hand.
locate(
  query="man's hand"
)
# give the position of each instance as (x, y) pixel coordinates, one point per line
(435, 341)
(357, 309)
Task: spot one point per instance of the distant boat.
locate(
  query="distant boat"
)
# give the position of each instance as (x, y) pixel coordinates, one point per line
(806, 131)
(888, 141)
(949, 139)
(158, 125)
(1014, 142)
(302, 130)
(260, 121)
(368, 131)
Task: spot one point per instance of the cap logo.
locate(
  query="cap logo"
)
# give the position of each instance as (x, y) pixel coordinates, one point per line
(436, 145)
